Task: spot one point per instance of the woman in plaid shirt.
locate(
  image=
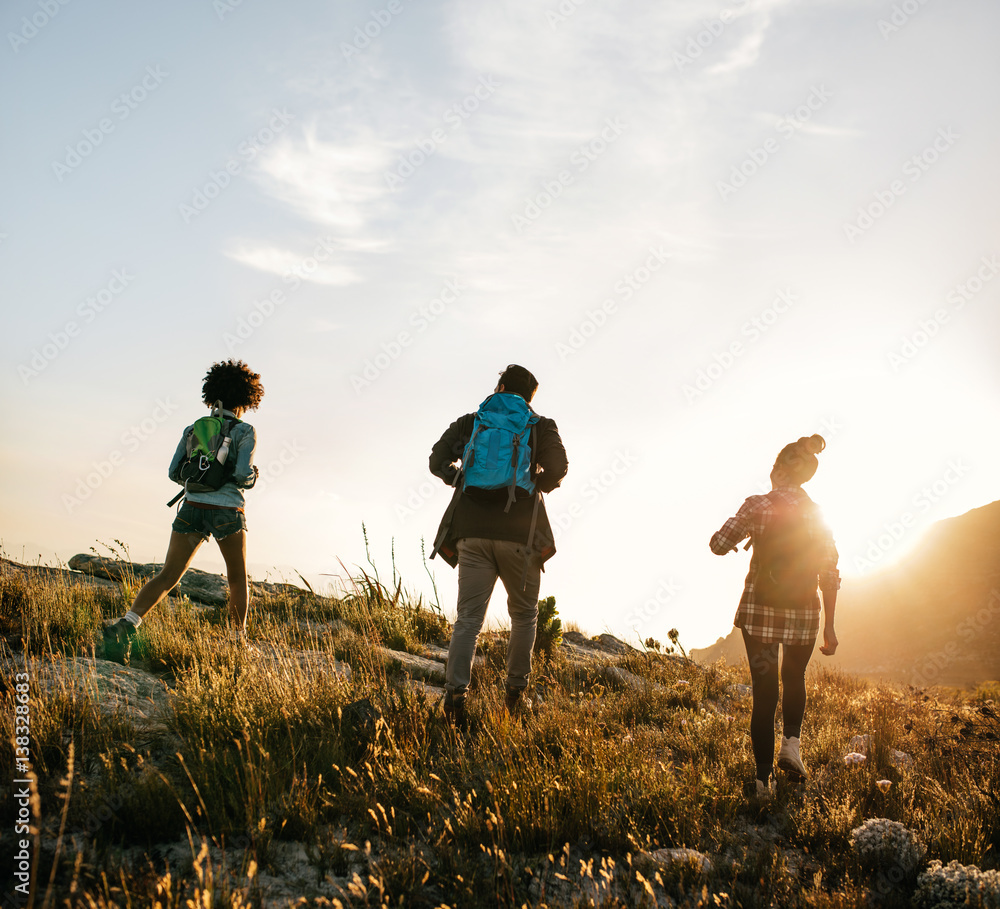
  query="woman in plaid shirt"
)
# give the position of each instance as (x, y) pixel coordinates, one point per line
(795, 626)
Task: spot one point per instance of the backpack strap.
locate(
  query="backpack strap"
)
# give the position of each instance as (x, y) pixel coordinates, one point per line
(537, 494)
(530, 551)
(512, 491)
(532, 465)
(460, 473)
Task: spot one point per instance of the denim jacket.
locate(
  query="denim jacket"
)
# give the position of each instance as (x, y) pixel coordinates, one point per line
(230, 495)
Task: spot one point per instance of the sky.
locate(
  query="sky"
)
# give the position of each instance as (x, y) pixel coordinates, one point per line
(707, 229)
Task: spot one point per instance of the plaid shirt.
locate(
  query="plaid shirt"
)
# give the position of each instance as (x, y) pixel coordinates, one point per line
(767, 624)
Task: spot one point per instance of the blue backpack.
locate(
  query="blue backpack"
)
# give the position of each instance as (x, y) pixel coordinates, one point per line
(498, 454)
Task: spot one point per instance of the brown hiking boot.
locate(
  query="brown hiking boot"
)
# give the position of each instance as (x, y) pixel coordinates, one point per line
(454, 711)
(515, 701)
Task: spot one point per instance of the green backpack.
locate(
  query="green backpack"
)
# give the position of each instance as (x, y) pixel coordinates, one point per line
(207, 465)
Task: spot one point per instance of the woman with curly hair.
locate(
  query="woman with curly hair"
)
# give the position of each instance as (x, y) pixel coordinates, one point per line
(218, 512)
(793, 553)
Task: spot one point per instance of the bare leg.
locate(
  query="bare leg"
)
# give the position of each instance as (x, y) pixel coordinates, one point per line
(234, 551)
(180, 552)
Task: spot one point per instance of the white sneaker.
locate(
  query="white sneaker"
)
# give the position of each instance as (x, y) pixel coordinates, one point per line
(766, 791)
(789, 759)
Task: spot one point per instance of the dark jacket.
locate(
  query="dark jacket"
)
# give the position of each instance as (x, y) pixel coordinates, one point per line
(480, 512)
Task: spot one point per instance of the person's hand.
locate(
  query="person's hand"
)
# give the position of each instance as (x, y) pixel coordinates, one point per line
(830, 642)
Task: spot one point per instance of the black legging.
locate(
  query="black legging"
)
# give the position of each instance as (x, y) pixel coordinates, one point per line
(764, 675)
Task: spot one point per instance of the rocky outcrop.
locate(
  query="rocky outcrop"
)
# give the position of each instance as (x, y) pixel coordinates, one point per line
(115, 690)
(664, 858)
(416, 667)
(201, 586)
(287, 663)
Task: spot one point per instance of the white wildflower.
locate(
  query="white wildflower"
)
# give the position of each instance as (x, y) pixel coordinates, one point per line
(953, 885)
(900, 759)
(860, 743)
(880, 843)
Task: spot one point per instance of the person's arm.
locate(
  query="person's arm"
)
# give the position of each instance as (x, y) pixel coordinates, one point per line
(174, 471)
(728, 537)
(449, 449)
(551, 457)
(830, 642)
(246, 443)
(829, 584)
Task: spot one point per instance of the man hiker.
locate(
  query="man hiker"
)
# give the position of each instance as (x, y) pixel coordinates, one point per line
(496, 525)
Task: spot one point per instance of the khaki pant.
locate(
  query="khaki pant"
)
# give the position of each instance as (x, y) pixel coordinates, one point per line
(480, 563)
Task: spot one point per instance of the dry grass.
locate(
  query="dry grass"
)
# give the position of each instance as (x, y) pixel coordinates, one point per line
(388, 806)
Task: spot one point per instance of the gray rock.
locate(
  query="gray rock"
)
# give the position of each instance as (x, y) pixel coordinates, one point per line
(416, 667)
(114, 689)
(622, 678)
(202, 586)
(435, 652)
(602, 643)
(433, 693)
(322, 629)
(311, 663)
(663, 858)
(610, 644)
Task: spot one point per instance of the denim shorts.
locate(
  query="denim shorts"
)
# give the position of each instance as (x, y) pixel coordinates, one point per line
(219, 522)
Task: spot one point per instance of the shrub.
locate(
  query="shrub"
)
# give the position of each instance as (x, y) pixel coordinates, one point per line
(549, 635)
(955, 885)
(887, 848)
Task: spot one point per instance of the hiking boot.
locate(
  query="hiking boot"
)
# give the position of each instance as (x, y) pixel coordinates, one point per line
(765, 791)
(454, 712)
(789, 759)
(515, 702)
(118, 640)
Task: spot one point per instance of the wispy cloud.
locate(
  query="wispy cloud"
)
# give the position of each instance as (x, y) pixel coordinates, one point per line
(335, 183)
(747, 51)
(279, 261)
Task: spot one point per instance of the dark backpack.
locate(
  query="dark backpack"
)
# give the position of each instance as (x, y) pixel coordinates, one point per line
(207, 465)
(788, 557)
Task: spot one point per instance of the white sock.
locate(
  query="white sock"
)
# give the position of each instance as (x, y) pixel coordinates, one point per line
(133, 617)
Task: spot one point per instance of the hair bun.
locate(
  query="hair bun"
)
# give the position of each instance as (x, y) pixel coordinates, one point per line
(813, 444)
